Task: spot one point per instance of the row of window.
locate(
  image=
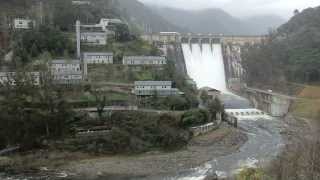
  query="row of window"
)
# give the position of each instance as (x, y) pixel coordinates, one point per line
(246, 113)
(152, 87)
(143, 62)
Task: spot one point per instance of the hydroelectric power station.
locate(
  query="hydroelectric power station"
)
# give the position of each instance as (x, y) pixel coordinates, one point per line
(215, 61)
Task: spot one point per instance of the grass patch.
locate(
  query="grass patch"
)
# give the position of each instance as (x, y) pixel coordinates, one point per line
(252, 174)
(122, 74)
(309, 104)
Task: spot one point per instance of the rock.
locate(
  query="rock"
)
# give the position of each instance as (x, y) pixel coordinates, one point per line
(212, 177)
(8, 57)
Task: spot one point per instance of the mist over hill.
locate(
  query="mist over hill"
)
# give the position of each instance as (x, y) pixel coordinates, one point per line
(218, 21)
(148, 20)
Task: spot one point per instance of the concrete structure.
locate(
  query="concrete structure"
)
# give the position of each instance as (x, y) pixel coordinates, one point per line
(150, 88)
(62, 65)
(273, 103)
(93, 38)
(199, 130)
(164, 37)
(247, 114)
(98, 58)
(67, 72)
(105, 25)
(81, 3)
(144, 60)
(10, 77)
(167, 37)
(20, 23)
(78, 37)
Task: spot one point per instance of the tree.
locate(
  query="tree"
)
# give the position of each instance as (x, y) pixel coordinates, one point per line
(215, 107)
(31, 113)
(194, 118)
(204, 96)
(101, 102)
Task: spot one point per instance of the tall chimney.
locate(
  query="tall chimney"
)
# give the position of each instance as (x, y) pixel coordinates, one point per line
(78, 39)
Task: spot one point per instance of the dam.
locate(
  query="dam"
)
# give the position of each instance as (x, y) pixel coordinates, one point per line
(205, 65)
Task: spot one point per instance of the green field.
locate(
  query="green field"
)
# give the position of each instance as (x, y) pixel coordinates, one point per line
(122, 74)
(308, 106)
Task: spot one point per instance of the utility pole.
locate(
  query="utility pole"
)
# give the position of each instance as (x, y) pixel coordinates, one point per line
(78, 24)
(41, 11)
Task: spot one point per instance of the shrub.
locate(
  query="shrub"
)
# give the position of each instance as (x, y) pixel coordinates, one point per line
(194, 118)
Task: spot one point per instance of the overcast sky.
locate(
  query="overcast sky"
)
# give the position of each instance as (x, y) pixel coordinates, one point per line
(242, 8)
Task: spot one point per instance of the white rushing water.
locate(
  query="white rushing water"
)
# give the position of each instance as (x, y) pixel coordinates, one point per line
(205, 65)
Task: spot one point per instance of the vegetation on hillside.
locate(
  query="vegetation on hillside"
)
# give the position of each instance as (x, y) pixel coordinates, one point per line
(135, 132)
(30, 114)
(28, 45)
(291, 53)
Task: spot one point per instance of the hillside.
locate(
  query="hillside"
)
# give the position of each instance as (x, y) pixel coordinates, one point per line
(292, 53)
(218, 21)
(141, 15)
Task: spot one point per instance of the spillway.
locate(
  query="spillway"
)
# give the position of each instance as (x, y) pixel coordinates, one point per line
(205, 65)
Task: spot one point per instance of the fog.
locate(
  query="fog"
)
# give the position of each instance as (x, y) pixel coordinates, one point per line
(241, 8)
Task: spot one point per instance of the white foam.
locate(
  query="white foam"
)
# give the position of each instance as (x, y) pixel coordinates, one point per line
(205, 65)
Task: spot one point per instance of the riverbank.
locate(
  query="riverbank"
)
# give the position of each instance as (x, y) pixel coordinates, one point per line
(200, 150)
(66, 165)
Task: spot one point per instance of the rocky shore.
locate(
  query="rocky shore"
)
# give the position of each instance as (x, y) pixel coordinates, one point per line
(200, 150)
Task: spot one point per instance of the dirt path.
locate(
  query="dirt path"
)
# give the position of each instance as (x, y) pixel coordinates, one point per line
(200, 150)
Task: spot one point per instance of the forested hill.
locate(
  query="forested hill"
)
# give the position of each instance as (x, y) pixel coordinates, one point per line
(63, 13)
(292, 53)
(146, 18)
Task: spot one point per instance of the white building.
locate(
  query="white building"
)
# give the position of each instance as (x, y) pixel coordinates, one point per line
(23, 23)
(94, 38)
(81, 2)
(98, 58)
(67, 78)
(58, 66)
(106, 23)
(10, 77)
(150, 88)
(66, 71)
(144, 60)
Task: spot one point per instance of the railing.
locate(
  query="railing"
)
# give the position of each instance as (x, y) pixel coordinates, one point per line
(198, 130)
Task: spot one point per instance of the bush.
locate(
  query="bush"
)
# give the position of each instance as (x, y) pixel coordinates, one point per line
(135, 132)
(194, 118)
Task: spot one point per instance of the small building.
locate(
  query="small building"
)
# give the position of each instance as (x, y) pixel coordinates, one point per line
(150, 88)
(67, 78)
(144, 60)
(66, 72)
(98, 58)
(78, 3)
(213, 93)
(20, 23)
(62, 65)
(94, 38)
(10, 77)
(106, 24)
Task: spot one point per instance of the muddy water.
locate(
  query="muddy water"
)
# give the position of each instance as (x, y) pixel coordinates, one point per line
(264, 143)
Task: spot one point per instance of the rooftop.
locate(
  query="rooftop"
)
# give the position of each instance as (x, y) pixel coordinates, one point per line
(153, 83)
(98, 53)
(144, 57)
(67, 73)
(65, 61)
(94, 33)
